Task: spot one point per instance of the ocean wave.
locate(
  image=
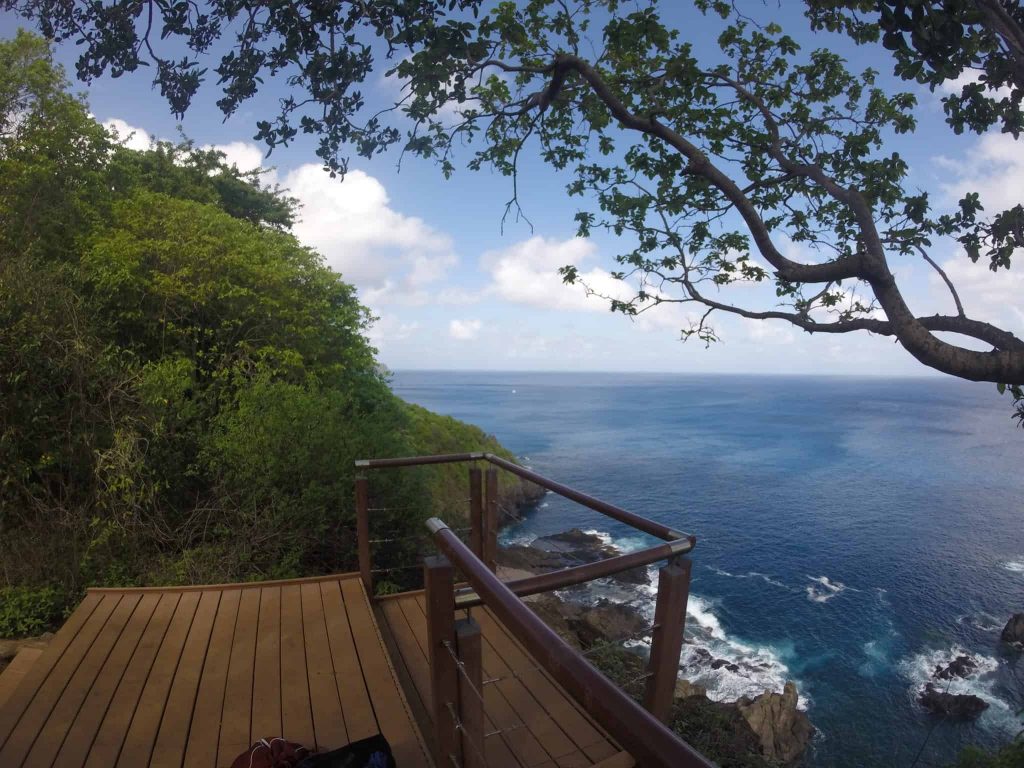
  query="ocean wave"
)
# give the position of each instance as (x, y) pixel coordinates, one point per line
(726, 666)
(985, 622)
(1014, 566)
(752, 575)
(826, 590)
(623, 544)
(983, 682)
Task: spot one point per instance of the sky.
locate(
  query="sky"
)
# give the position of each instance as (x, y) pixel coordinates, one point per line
(454, 289)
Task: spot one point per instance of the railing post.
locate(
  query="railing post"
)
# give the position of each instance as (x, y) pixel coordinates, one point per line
(667, 637)
(444, 673)
(363, 532)
(476, 512)
(471, 704)
(491, 520)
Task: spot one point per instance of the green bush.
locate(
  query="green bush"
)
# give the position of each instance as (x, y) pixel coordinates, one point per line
(27, 611)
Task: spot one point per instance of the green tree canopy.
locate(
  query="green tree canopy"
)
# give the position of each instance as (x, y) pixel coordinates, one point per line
(185, 385)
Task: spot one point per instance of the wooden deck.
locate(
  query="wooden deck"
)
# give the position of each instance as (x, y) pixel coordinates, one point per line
(539, 725)
(190, 677)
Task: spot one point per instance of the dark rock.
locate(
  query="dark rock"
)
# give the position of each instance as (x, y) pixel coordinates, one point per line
(607, 621)
(1013, 632)
(961, 666)
(566, 550)
(960, 706)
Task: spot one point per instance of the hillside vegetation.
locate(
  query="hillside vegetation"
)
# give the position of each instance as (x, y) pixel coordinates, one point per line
(185, 386)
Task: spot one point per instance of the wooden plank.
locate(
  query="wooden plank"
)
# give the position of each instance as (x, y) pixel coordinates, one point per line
(204, 733)
(138, 743)
(17, 702)
(405, 681)
(392, 712)
(360, 721)
(46, 696)
(618, 760)
(412, 653)
(296, 713)
(328, 719)
(236, 719)
(583, 732)
(83, 731)
(16, 670)
(226, 587)
(169, 751)
(266, 688)
(53, 733)
(107, 745)
(499, 750)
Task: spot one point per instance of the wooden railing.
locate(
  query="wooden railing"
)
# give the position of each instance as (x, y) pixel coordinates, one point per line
(454, 646)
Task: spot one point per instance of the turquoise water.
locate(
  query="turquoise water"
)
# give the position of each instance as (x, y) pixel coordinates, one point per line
(852, 532)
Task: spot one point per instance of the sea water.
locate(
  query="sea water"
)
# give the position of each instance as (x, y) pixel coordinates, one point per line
(852, 532)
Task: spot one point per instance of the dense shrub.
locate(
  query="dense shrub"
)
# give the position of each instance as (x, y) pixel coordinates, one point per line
(26, 611)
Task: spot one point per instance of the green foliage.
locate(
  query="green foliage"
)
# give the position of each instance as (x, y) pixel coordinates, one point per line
(1010, 756)
(28, 611)
(935, 41)
(185, 386)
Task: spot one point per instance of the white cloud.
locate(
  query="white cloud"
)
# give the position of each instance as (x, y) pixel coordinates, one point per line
(129, 135)
(464, 330)
(527, 273)
(966, 78)
(986, 295)
(994, 168)
(351, 222)
(244, 155)
(389, 329)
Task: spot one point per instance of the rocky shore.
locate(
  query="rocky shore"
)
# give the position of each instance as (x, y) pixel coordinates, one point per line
(769, 726)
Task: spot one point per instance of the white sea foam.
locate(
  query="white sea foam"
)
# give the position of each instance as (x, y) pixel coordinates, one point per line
(1014, 566)
(752, 575)
(623, 544)
(744, 669)
(826, 590)
(986, 622)
(920, 668)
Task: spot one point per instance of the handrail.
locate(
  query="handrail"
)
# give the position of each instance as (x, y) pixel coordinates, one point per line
(658, 530)
(649, 741)
(599, 569)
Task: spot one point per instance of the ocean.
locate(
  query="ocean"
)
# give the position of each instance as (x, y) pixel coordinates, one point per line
(852, 532)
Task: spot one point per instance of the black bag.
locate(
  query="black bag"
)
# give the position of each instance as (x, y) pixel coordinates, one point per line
(374, 752)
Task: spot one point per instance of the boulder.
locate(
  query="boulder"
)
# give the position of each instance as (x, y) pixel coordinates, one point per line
(1013, 632)
(961, 666)
(783, 730)
(959, 706)
(607, 621)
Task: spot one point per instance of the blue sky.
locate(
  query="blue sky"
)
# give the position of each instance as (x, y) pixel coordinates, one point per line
(453, 291)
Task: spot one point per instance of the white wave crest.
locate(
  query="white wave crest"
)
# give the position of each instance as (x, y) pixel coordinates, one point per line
(1014, 566)
(752, 575)
(725, 665)
(826, 590)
